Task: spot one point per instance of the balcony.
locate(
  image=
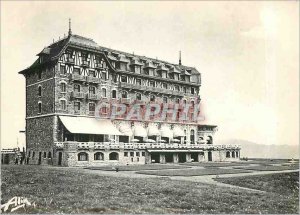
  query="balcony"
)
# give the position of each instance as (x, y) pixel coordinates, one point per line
(162, 146)
(70, 60)
(93, 80)
(93, 96)
(133, 86)
(79, 95)
(85, 63)
(77, 77)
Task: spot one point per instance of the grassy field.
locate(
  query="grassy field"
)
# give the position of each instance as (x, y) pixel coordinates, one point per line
(269, 168)
(213, 164)
(139, 167)
(68, 190)
(280, 183)
(193, 172)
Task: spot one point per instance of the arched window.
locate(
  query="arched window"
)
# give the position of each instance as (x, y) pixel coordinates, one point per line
(192, 136)
(83, 156)
(104, 93)
(138, 96)
(40, 107)
(63, 87)
(99, 156)
(114, 156)
(39, 91)
(45, 154)
(114, 94)
(124, 94)
(233, 154)
(49, 155)
(227, 154)
(237, 154)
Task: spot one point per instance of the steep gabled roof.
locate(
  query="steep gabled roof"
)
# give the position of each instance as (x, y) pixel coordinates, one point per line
(54, 51)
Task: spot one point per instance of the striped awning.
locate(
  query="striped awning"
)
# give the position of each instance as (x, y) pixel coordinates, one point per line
(178, 132)
(140, 131)
(165, 131)
(126, 130)
(153, 131)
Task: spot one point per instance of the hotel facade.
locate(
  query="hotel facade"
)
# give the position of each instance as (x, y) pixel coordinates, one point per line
(74, 76)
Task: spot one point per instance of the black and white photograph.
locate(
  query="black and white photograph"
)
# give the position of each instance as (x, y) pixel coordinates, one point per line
(149, 107)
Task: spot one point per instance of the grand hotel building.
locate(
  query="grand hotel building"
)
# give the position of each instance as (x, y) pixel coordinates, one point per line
(70, 76)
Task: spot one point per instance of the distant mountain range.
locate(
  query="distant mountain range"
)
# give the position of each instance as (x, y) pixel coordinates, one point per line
(254, 150)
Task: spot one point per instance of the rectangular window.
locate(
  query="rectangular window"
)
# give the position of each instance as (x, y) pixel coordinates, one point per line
(77, 88)
(151, 84)
(137, 154)
(92, 90)
(76, 71)
(92, 73)
(165, 86)
(131, 154)
(143, 154)
(123, 66)
(176, 87)
(138, 69)
(91, 106)
(40, 74)
(63, 69)
(138, 81)
(77, 106)
(125, 154)
(192, 90)
(124, 79)
(40, 107)
(63, 104)
(104, 75)
(63, 87)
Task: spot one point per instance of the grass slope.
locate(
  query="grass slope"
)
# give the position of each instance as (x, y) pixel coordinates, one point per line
(68, 190)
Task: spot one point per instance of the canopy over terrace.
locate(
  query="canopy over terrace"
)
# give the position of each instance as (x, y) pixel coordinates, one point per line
(83, 125)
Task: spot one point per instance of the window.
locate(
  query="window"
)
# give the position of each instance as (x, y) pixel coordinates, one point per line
(63, 87)
(233, 154)
(176, 77)
(77, 106)
(39, 91)
(192, 90)
(114, 94)
(104, 75)
(49, 155)
(237, 154)
(33, 154)
(40, 107)
(137, 154)
(151, 84)
(92, 107)
(115, 80)
(92, 90)
(138, 81)
(125, 154)
(104, 92)
(83, 156)
(76, 87)
(152, 98)
(124, 79)
(138, 96)
(177, 101)
(164, 85)
(124, 94)
(99, 156)
(165, 99)
(39, 74)
(176, 88)
(131, 154)
(114, 156)
(227, 154)
(92, 73)
(143, 154)
(184, 89)
(63, 70)
(192, 136)
(63, 104)
(76, 71)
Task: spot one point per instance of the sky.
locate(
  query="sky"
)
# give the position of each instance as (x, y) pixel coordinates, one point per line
(246, 52)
